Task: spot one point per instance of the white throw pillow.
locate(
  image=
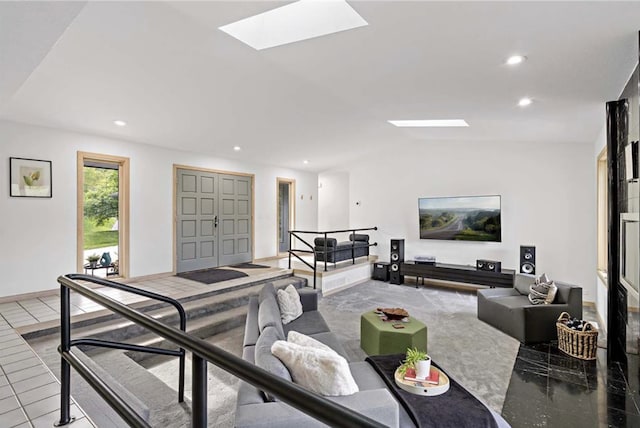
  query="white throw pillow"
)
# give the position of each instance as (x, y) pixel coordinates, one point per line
(320, 371)
(289, 303)
(309, 342)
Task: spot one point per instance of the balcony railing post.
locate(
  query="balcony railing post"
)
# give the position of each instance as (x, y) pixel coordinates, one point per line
(198, 392)
(290, 248)
(326, 251)
(65, 368)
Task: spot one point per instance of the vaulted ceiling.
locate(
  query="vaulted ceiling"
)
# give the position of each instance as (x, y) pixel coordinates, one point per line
(180, 82)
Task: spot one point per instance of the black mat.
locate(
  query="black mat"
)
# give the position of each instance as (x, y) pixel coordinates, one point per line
(455, 408)
(211, 276)
(249, 266)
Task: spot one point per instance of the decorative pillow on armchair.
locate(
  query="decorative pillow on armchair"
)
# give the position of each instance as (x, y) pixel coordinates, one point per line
(542, 291)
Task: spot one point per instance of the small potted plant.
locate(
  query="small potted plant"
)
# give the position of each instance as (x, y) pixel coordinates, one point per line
(93, 260)
(417, 364)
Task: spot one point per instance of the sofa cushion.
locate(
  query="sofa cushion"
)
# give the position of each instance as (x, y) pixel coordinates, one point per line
(267, 290)
(512, 302)
(523, 282)
(365, 376)
(359, 237)
(269, 315)
(308, 341)
(289, 303)
(251, 328)
(266, 360)
(331, 340)
(320, 371)
(330, 242)
(308, 323)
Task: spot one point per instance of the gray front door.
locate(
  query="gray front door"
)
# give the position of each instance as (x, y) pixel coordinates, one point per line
(235, 219)
(213, 220)
(197, 211)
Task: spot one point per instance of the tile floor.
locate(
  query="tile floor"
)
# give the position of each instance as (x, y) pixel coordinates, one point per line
(551, 389)
(29, 392)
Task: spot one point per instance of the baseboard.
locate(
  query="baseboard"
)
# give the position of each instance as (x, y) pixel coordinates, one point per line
(55, 291)
(339, 289)
(146, 277)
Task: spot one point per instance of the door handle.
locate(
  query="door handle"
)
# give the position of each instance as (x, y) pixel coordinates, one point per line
(215, 222)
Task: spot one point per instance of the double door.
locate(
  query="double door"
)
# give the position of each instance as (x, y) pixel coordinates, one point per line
(213, 216)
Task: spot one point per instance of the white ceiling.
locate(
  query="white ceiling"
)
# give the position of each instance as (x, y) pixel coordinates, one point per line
(178, 81)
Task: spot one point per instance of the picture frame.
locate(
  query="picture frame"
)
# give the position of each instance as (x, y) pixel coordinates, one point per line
(30, 178)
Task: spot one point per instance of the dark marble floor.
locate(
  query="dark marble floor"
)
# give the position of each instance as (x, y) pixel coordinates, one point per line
(551, 389)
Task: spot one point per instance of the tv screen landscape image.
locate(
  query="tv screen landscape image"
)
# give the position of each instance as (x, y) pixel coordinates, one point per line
(467, 218)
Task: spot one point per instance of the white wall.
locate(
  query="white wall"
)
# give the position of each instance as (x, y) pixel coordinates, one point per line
(333, 201)
(38, 236)
(547, 200)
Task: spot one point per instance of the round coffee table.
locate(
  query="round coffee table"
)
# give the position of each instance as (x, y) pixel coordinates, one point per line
(423, 388)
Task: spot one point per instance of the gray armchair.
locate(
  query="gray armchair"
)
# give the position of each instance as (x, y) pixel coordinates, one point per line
(509, 310)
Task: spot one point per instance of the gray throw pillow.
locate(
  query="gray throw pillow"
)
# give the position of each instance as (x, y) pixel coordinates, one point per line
(543, 291)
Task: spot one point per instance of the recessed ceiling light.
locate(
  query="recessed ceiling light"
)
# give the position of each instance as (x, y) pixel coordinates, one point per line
(120, 123)
(294, 22)
(305, 161)
(442, 123)
(525, 102)
(516, 59)
(237, 148)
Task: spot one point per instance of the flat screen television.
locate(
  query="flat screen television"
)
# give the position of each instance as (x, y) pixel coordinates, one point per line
(460, 218)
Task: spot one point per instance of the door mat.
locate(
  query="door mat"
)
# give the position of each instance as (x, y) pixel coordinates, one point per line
(249, 266)
(211, 276)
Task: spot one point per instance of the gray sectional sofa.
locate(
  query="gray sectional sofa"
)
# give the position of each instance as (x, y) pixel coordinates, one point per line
(509, 310)
(263, 327)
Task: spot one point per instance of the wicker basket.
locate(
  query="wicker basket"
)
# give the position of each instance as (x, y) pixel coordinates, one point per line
(580, 344)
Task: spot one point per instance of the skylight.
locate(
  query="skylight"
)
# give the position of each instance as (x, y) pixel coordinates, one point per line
(433, 123)
(302, 20)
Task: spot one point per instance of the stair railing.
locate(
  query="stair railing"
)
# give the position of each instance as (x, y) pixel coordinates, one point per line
(318, 407)
(314, 267)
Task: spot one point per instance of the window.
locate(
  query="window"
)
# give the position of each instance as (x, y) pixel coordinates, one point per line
(603, 217)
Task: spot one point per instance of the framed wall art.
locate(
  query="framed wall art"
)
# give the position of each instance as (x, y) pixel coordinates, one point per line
(30, 178)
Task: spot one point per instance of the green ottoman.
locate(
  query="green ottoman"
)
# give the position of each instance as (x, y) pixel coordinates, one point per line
(378, 337)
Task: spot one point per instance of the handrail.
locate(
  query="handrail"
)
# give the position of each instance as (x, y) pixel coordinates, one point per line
(325, 251)
(318, 407)
(125, 346)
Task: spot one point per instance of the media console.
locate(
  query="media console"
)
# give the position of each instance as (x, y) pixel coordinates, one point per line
(458, 273)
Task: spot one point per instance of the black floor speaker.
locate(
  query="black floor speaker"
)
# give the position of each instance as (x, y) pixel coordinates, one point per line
(397, 258)
(528, 259)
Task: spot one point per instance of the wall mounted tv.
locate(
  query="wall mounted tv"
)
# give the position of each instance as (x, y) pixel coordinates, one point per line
(460, 218)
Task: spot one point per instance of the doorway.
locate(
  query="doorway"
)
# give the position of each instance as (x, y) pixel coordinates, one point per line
(103, 215)
(214, 219)
(286, 212)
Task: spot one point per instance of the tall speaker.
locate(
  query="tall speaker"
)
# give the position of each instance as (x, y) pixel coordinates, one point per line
(397, 257)
(528, 259)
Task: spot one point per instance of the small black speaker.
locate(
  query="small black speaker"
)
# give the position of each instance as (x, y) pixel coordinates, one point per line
(489, 265)
(528, 259)
(397, 258)
(381, 271)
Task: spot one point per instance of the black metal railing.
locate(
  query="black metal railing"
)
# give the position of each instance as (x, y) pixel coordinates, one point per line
(318, 407)
(326, 250)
